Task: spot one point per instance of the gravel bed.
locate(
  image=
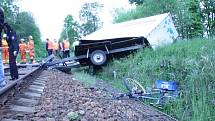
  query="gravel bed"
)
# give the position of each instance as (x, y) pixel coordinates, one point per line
(63, 95)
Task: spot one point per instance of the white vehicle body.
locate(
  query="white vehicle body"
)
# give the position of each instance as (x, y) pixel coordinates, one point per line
(159, 30)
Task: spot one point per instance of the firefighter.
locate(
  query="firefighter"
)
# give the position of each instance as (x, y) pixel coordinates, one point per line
(66, 48)
(5, 53)
(2, 81)
(55, 47)
(30, 46)
(13, 50)
(22, 51)
(49, 46)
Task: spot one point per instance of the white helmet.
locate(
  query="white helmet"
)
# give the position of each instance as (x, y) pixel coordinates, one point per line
(30, 37)
(22, 40)
(4, 35)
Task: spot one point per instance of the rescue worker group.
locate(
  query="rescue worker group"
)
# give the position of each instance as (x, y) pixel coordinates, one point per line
(10, 47)
(61, 49)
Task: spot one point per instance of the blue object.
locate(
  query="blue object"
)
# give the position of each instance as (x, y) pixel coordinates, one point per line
(170, 30)
(1, 70)
(166, 85)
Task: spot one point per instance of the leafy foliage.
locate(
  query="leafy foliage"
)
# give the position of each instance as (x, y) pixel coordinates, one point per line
(24, 24)
(148, 8)
(193, 18)
(89, 23)
(136, 2)
(208, 11)
(10, 10)
(70, 29)
(89, 16)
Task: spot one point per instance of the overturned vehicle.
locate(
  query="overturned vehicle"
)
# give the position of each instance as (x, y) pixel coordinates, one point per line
(118, 40)
(121, 38)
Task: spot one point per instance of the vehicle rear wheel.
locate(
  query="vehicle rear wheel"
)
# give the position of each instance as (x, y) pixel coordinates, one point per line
(98, 57)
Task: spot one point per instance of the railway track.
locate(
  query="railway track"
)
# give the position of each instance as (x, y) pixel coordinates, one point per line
(18, 97)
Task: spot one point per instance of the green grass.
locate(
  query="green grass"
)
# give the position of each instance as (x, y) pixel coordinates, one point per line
(191, 63)
(84, 77)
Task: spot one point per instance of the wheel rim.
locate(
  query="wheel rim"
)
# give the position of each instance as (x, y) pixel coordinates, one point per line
(98, 57)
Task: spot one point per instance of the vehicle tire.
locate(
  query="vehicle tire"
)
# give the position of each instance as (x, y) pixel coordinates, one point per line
(133, 85)
(98, 57)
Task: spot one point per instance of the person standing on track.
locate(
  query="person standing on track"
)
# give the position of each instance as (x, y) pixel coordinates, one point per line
(49, 46)
(13, 47)
(13, 50)
(5, 54)
(30, 46)
(55, 47)
(2, 81)
(66, 48)
(22, 51)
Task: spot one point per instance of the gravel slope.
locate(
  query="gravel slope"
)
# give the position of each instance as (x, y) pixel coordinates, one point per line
(63, 95)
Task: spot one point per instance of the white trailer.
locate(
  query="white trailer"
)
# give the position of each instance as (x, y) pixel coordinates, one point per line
(159, 30)
(119, 39)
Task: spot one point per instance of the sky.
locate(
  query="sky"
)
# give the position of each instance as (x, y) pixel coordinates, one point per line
(50, 14)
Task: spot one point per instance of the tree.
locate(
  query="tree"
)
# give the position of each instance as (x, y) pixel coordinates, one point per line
(23, 23)
(146, 8)
(194, 11)
(136, 2)
(181, 18)
(89, 15)
(208, 10)
(11, 11)
(70, 29)
(25, 26)
(186, 14)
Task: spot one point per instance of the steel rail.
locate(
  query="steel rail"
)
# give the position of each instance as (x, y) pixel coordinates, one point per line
(16, 84)
(18, 81)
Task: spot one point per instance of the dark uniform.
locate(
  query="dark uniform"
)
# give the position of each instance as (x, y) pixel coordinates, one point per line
(13, 50)
(1, 24)
(13, 45)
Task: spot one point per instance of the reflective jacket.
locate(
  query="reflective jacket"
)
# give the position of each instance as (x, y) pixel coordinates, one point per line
(56, 46)
(49, 45)
(22, 47)
(4, 43)
(31, 45)
(66, 45)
